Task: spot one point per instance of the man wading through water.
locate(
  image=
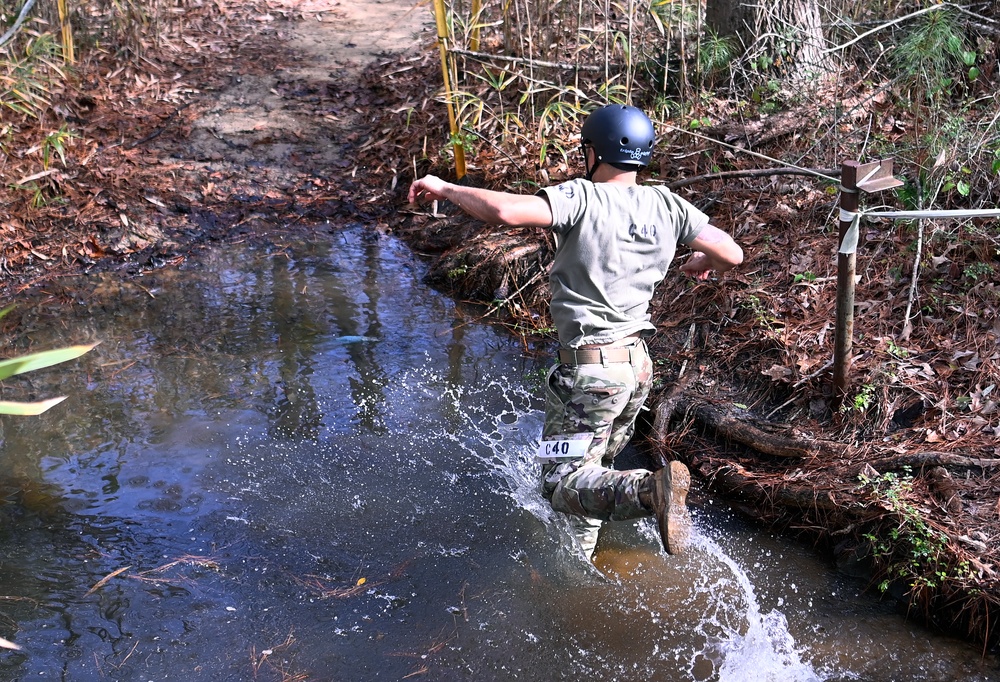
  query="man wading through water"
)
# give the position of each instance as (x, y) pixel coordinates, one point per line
(614, 242)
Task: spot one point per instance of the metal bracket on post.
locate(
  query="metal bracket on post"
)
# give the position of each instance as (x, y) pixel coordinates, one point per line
(877, 176)
(855, 177)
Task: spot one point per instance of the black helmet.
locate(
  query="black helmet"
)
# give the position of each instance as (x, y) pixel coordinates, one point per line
(619, 134)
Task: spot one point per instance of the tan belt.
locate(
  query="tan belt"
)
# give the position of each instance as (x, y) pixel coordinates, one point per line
(600, 356)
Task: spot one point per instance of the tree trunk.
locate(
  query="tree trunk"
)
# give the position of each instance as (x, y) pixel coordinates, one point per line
(784, 34)
(731, 19)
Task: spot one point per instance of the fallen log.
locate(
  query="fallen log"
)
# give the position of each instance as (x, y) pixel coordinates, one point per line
(732, 479)
(736, 425)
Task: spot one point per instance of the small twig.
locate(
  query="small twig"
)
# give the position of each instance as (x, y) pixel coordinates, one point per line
(886, 25)
(156, 133)
(114, 375)
(907, 326)
(17, 24)
(128, 656)
(686, 346)
(497, 306)
(835, 177)
(495, 147)
(104, 581)
(482, 56)
(813, 375)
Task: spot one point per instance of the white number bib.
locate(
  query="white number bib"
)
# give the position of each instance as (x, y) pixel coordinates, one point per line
(564, 448)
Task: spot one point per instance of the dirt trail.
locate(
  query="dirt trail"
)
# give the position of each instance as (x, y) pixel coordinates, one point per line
(298, 117)
(248, 118)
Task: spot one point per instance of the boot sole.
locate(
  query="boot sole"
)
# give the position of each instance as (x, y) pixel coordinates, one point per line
(677, 537)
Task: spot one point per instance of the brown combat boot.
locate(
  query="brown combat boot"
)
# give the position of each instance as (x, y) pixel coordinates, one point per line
(666, 495)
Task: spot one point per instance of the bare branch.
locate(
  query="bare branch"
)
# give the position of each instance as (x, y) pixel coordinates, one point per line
(482, 56)
(12, 31)
(752, 173)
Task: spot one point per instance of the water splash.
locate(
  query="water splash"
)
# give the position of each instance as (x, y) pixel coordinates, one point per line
(742, 644)
(760, 648)
(734, 641)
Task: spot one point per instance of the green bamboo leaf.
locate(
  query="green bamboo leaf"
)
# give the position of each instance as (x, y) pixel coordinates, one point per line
(29, 363)
(3, 313)
(28, 409)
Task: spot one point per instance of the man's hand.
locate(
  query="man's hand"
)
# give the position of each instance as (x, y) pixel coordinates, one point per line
(427, 188)
(698, 266)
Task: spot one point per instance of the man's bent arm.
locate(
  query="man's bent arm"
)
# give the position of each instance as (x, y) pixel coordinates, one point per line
(496, 208)
(714, 250)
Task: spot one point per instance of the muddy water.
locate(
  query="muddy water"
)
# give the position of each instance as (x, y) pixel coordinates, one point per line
(294, 463)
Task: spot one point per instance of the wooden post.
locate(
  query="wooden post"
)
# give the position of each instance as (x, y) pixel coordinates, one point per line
(846, 266)
(442, 29)
(855, 178)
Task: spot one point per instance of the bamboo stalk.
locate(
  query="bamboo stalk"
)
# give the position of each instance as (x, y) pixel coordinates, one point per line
(531, 55)
(442, 29)
(69, 55)
(508, 41)
(578, 51)
(683, 54)
(668, 29)
(476, 9)
(628, 56)
(607, 47)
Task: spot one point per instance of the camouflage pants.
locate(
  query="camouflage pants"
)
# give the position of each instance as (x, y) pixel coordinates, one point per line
(604, 400)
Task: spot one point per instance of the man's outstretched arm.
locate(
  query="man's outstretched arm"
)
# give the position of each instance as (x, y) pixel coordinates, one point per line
(496, 208)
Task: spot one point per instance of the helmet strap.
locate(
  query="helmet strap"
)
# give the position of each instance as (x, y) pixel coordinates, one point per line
(589, 169)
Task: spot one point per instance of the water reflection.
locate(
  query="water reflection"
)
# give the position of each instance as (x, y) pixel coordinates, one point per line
(292, 461)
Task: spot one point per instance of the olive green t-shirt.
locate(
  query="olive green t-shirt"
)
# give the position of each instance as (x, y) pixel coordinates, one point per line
(615, 245)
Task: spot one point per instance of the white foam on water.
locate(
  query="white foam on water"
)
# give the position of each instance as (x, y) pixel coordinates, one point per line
(760, 648)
